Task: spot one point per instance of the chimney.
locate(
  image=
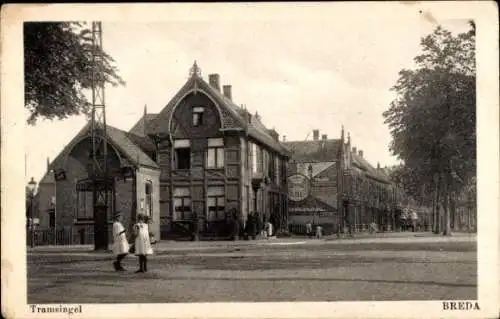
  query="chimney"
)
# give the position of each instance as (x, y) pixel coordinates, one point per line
(354, 150)
(315, 135)
(378, 165)
(227, 91)
(214, 80)
(324, 137)
(284, 138)
(360, 153)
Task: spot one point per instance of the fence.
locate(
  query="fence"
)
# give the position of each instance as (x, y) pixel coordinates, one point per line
(81, 235)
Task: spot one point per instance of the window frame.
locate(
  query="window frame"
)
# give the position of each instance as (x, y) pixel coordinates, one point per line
(182, 144)
(89, 217)
(183, 198)
(215, 145)
(219, 198)
(197, 112)
(148, 198)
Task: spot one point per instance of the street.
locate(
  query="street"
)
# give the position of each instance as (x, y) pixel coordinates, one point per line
(280, 270)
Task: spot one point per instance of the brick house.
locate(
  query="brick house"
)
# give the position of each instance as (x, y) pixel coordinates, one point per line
(214, 157)
(338, 187)
(66, 202)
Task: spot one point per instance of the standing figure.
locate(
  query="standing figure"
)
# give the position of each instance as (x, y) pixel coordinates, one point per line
(269, 229)
(309, 229)
(142, 242)
(120, 243)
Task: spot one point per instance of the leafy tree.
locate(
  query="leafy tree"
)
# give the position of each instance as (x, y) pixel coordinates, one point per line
(58, 68)
(432, 119)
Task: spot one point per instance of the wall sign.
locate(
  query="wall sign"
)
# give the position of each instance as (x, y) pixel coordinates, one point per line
(298, 187)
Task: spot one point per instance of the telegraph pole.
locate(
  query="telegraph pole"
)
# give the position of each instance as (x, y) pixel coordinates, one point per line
(99, 171)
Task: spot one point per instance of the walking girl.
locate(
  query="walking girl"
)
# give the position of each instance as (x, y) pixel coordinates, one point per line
(120, 243)
(142, 242)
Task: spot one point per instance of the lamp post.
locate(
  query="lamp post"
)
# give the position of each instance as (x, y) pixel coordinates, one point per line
(54, 202)
(31, 224)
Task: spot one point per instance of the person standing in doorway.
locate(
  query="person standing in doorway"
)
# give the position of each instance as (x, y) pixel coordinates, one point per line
(120, 244)
(142, 243)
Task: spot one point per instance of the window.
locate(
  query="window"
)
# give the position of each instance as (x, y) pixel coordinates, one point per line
(215, 201)
(253, 155)
(149, 200)
(85, 205)
(198, 115)
(182, 154)
(215, 153)
(182, 204)
(85, 210)
(277, 167)
(271, 170)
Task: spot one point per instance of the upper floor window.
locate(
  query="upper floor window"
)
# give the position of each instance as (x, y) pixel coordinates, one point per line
(277, 168)
(215, 153)
(253, 155)
(182, 154)
(198, 115)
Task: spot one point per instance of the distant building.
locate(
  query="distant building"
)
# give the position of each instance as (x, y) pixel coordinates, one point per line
(332, 184)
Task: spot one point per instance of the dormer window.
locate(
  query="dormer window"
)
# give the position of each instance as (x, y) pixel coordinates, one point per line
(198, 115)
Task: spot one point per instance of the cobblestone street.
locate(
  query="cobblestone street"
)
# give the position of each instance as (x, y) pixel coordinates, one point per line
(281, 270)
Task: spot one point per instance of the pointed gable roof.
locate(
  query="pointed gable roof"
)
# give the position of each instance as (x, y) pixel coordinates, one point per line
(134, 148)
(141, 127)
(233, 116)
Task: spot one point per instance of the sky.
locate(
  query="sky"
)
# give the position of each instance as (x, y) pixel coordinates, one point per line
(299, 75)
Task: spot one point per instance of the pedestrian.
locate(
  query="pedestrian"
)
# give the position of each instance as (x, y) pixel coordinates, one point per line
(309, 229)
(120, 243)
(269, 229)
(142, 243)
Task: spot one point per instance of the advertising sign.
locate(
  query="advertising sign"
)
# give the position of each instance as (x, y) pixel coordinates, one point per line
(298, 187)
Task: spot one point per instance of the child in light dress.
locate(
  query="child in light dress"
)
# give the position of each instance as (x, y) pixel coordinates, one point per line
(142, 242)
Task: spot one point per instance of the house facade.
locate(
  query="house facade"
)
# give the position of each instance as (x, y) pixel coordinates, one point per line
(333, 185)
(65, 192)
(216, 158)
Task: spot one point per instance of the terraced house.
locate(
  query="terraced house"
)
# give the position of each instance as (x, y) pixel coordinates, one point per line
(333, 185)
(199, 162)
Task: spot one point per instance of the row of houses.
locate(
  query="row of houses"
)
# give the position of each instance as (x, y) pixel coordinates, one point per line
(202, 157)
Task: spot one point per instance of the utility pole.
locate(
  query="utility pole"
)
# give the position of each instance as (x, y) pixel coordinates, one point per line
(99, 173)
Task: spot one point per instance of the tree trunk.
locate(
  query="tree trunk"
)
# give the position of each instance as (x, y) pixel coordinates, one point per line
(447, 215)
(455, 220)
(436, 211)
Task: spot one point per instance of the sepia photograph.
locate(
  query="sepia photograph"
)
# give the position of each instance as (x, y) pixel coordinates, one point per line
(215, 156)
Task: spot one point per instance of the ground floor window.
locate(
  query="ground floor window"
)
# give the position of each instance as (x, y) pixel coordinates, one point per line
(85, 205)
(182, 204)
(215, 203)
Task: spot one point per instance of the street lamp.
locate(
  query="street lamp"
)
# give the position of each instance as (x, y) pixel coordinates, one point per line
(31, 224)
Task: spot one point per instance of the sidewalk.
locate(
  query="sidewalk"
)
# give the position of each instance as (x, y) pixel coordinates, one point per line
(165, 247)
